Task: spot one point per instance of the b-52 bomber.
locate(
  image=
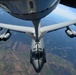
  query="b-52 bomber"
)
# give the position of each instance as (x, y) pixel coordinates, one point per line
(33, 10)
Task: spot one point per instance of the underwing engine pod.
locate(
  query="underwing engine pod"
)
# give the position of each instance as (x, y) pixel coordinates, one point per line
(5, 36)
(69, 32)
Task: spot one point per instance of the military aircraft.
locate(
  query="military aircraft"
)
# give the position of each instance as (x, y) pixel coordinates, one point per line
(33, 10)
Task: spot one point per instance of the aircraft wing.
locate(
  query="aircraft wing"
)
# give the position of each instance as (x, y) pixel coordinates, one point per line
(47, 29)
(17, 28)
(54, 27)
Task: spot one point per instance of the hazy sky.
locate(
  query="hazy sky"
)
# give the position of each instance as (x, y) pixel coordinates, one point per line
(65, 11)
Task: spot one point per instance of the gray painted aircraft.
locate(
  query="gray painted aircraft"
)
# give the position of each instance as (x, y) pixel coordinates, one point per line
(33, 10)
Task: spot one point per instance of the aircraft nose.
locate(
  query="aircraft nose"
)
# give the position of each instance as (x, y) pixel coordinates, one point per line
(38, 64)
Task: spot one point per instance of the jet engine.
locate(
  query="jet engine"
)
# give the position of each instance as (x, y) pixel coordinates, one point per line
(69, 32)
(5, 36)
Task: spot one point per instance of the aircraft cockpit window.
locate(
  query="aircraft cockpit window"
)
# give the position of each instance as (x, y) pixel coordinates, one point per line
(38, 55)
(40, 48)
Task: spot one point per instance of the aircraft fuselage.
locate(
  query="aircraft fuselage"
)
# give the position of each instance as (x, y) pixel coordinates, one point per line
(29, 9)
(37, 55)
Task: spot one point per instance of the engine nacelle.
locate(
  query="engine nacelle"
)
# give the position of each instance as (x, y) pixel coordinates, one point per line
(6, 36)
(69, 33)
(1, 37)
